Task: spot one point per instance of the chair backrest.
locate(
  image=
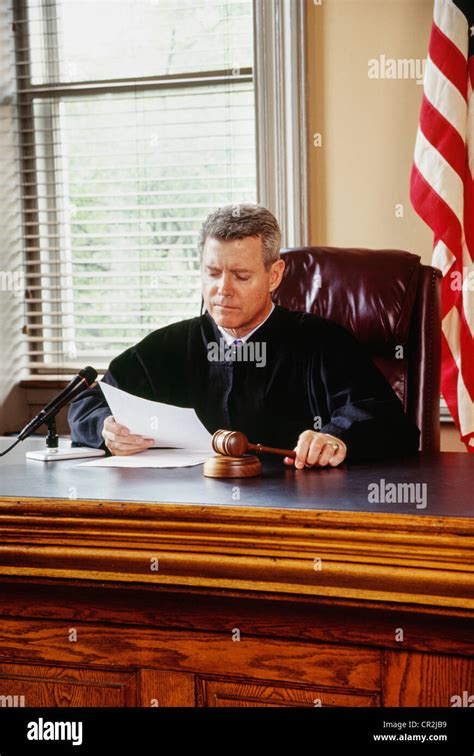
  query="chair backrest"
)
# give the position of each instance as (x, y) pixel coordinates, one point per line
(391, 303)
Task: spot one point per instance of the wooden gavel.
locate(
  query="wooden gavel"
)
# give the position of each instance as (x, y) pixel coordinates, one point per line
(232, 460)
(236, 444)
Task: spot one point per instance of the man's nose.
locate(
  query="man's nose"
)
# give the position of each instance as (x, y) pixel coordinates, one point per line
(225, 284)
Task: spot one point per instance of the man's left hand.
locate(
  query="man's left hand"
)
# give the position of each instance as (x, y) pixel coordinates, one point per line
(318, 449)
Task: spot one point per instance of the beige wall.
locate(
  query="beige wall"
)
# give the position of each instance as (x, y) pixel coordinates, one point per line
(368, 126)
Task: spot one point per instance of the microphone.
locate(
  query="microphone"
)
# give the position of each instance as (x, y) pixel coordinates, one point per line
(84, 379)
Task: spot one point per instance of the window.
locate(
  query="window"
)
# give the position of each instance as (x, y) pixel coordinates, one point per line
(135, 119)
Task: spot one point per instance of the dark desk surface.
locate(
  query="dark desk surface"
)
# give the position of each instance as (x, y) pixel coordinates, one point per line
(447, 479)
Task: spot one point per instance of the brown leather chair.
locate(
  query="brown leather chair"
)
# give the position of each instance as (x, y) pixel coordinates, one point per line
(391, 303)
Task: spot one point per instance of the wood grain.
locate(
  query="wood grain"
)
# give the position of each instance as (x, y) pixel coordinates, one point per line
(214, 693)
(414, 679)
(334, 554)
(303, 618)
(317, 600)
(45, 685)
(126, 647)
(160, 687)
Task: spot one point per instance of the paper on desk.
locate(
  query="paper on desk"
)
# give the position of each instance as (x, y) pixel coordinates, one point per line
(170, 426)
(152, 458)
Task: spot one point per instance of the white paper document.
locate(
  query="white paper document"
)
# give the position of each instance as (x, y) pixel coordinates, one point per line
(177, 427)
(152, 458)
(181, 440)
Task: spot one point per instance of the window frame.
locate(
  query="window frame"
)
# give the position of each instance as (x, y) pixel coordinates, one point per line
(282, 115)
(279, 80)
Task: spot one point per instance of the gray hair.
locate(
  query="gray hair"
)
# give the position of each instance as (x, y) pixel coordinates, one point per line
(239, 222)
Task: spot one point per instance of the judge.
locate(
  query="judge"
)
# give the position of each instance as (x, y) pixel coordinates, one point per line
(285, 379)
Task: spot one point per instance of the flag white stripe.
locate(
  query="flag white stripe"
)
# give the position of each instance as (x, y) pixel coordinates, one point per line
(453, 24)
(468, 287)
(442, 96)
(451, 326)
(443, 258)
(470, 130)
(438, 173)
(465, 408)
(445, 97)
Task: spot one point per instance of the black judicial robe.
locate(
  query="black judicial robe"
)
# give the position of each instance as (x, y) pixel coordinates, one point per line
(317, 376)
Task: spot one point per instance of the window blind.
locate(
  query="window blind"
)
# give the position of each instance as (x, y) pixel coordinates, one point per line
(136, 119)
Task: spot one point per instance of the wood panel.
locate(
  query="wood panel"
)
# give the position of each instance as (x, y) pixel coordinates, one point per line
(303, 618)
(46, 685)
(159, 687)
(219, 693)
(237, 613)
(416, 679)
(257, 658)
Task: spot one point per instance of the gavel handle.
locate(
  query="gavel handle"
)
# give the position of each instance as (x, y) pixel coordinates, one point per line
(271, 450)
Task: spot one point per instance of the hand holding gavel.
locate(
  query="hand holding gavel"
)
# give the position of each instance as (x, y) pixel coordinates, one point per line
(312, 448)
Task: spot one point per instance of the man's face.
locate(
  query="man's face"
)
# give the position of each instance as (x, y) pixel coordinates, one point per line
(236, 287)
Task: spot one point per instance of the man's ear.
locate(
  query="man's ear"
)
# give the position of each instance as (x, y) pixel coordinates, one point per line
(276, 274)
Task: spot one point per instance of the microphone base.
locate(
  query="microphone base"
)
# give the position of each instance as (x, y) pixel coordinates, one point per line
(64, 452)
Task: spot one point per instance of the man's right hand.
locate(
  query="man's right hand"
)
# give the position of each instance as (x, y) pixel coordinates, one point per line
(120, 441)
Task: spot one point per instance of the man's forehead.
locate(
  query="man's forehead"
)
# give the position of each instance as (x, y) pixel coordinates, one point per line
(227, 245)
(233, 252)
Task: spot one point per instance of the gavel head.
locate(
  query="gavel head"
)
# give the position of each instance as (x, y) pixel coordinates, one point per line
(230, 443)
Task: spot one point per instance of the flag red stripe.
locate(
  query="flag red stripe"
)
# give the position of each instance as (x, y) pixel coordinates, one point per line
(449, 295)
(449, 384)
(446, 130)
(466, 348)
(469, 210)
(449, 59)
(449, 379)
(439, 216)
(436, 213)
(443, 136)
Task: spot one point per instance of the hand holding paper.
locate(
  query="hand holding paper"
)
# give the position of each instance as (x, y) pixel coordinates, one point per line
(170, 426)
(180, 438)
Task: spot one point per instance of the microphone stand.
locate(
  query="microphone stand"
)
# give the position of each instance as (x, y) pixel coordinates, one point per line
(54, 452)
(52, 439)
(48, 416)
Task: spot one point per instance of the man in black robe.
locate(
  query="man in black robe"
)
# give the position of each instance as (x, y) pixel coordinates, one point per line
(285, 379)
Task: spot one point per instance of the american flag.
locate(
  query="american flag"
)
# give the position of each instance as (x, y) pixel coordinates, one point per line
(442, 193)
